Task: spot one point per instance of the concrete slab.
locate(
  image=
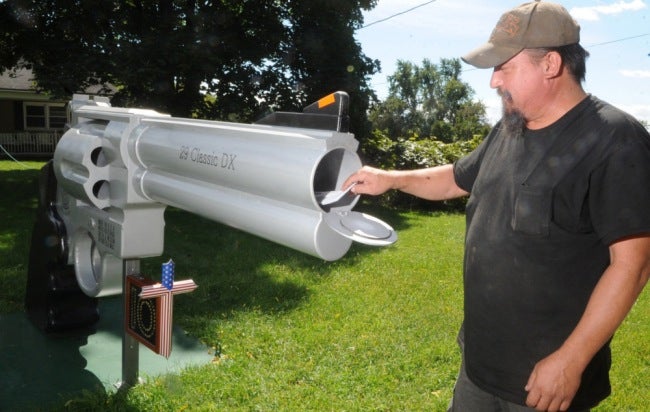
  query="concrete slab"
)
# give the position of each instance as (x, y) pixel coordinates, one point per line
(38, 369)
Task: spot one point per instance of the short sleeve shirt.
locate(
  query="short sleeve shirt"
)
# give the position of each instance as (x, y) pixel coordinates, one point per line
(537, 239)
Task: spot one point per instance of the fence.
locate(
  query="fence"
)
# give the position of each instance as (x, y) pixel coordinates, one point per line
(28, 144)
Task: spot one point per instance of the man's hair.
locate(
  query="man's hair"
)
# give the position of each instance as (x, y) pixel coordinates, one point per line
(574, 57)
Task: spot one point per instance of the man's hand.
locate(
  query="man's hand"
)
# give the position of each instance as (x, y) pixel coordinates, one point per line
(556, 378)
(433, 183)
(553, 383)
(370, 181)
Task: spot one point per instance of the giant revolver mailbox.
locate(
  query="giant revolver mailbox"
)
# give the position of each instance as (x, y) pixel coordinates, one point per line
(116, 170)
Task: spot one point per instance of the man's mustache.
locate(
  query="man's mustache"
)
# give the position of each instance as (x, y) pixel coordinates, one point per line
(505, 95)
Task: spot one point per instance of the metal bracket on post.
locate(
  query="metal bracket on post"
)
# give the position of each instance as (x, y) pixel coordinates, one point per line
(130, 345)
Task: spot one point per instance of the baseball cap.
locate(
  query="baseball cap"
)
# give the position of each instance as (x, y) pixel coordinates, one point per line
(530, 25)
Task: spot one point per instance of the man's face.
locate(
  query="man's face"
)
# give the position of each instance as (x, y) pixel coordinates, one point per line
(518, 81)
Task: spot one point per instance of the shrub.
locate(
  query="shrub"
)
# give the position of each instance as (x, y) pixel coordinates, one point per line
(413, 153)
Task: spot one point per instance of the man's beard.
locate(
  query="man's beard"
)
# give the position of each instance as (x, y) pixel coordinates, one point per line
(513, 121)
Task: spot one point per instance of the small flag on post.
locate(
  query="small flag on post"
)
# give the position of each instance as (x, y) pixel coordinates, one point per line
(149, 308)
(168, 274)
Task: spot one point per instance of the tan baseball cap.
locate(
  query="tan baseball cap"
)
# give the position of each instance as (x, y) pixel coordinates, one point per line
(530, 25)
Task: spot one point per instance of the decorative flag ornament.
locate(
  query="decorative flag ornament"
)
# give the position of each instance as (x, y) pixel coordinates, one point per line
(168, 274)
(150, 308)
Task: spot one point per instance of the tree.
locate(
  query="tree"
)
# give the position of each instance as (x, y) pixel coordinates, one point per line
(430, 101)
(323, 56)
(226, 59)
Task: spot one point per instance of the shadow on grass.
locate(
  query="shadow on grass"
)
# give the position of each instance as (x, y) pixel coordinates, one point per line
(18, 202)
(238, 271)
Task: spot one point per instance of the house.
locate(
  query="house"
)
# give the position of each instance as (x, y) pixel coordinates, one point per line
(31, 122)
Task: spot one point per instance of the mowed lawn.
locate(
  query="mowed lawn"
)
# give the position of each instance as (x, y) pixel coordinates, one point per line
(374, 331)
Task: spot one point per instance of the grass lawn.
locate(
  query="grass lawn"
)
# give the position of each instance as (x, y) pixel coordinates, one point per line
(374, 331)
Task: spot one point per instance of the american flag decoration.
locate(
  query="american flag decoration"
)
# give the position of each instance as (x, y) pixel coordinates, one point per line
(168, 274)
(165, 292)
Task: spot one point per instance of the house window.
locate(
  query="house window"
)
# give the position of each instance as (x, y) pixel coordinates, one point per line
(57, 117)
(39, 116)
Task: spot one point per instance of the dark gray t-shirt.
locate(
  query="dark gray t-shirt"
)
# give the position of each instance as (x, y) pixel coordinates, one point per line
(543, 210)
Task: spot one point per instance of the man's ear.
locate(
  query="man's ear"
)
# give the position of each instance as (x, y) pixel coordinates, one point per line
(552, 64)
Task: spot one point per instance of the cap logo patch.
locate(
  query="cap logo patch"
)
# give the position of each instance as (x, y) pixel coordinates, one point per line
(508, 25)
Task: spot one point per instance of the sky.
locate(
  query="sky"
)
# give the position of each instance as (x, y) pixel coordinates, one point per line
(615, 32)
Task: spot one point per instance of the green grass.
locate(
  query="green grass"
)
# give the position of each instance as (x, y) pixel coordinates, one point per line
(374, 331)
(18, 201)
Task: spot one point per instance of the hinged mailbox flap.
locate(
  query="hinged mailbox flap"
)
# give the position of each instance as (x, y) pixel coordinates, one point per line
(361, 228)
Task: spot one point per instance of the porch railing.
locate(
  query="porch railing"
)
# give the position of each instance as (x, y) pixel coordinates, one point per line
(28, 144)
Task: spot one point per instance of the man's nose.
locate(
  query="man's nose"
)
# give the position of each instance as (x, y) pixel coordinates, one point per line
(495, 80)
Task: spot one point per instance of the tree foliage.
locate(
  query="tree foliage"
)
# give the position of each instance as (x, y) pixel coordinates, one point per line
(428, 119)
(248, 56)
(430, 101)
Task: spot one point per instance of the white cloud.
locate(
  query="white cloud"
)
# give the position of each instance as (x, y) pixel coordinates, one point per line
(594, 13)
(636, 74)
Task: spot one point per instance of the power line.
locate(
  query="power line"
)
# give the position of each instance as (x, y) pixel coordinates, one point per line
(433, 1)
(619, 40)
(396, 14)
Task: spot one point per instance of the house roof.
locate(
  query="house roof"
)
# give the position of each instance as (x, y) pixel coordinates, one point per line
(22, 80)
(17, 80)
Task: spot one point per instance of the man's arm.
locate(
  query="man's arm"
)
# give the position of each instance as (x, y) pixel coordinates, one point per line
(556, 378)
(434, 183)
